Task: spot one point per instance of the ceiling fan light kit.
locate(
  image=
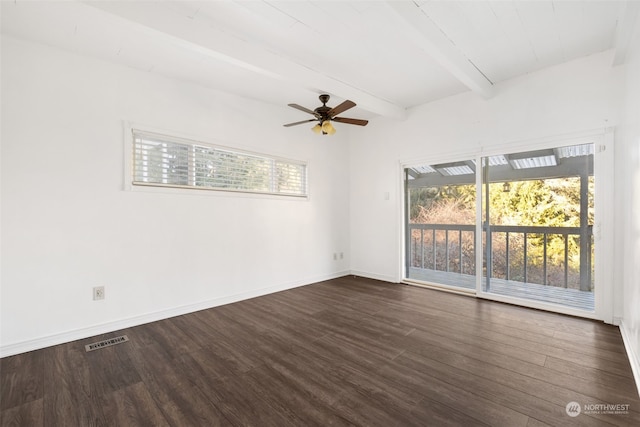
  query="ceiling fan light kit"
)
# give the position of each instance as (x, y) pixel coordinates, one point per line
(324, 115)
(327, 128)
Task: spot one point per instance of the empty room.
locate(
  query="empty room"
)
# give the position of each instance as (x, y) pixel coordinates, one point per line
(300, 213)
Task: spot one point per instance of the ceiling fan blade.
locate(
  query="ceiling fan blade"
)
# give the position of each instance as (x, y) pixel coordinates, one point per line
(299, 123)
(301, 108)
(358, 122)
(340, 108)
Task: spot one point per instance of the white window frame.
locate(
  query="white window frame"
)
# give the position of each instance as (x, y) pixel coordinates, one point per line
(131, 131)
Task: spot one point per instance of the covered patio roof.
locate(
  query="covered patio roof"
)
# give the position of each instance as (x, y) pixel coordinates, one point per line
(575, 160)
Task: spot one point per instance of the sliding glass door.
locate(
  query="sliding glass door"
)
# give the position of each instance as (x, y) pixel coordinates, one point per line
(515, 226)
(441, 230)
(537, 220)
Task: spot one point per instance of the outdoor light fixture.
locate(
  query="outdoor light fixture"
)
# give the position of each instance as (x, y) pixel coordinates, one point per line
(506, 187)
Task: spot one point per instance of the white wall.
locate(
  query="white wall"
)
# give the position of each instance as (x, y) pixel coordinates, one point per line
(68, 225)
(627, 205)
(578, 96)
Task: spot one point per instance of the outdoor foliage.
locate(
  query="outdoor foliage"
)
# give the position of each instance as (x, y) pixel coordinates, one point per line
(535, 203)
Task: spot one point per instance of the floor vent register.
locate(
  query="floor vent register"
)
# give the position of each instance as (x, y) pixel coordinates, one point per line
(106, 343)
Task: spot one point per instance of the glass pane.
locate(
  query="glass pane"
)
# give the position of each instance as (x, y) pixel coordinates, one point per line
(441, 224)
(161, 162)
(165, 161)
(537, 216)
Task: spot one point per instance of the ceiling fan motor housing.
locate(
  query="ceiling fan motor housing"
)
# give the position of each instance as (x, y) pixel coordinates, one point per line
(323, 111)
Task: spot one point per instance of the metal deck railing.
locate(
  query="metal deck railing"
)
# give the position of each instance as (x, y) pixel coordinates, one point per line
(508, 256)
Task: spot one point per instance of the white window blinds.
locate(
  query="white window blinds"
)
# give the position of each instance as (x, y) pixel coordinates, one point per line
(160, 160)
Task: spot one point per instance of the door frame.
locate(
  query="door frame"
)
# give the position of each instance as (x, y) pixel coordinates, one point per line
(603, 219)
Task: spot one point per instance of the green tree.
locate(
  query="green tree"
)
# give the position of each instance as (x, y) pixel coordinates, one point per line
(548, 203)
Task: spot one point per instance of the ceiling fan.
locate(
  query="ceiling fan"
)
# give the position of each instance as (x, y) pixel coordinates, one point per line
(325, 115)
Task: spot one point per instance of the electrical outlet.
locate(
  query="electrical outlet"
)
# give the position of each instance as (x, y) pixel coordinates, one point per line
(335, 256)
(341, 255)
(98, 293)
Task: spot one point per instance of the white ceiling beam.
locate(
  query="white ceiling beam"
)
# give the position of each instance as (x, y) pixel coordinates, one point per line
(438, 46)
(624, 30)
(221, 46)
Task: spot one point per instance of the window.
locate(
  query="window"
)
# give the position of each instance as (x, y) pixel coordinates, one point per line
(165, 161)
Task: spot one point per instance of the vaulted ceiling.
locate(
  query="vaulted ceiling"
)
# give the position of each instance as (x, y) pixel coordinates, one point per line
(387, 56)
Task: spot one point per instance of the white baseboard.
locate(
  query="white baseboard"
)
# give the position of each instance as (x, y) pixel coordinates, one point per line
(374, 276)
(632, 353)
(82, 333)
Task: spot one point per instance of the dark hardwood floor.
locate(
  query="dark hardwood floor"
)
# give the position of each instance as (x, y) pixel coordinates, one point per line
(349, 351)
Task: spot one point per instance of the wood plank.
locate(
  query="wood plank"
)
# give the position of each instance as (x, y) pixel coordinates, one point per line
(533, 382)
(241, 403)
(290, 396)
(27, 414)
(500, 394)
(463, 404)
(348, 351)
(69, 399)
(21, 379)
(181, 401)
(133, 405)
(443, 415)
(110, 369)
(444, 316)
(623, 383)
